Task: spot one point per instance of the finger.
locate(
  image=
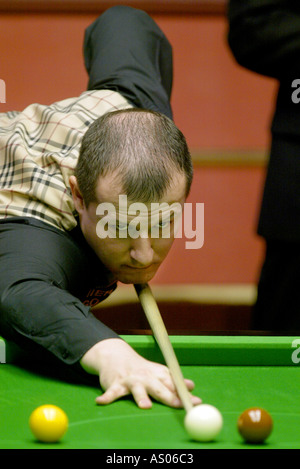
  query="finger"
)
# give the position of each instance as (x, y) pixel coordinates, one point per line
(162, 393)
(168, 381)
(112, 394)
(189, 384)
(141, 397)
(196, 400)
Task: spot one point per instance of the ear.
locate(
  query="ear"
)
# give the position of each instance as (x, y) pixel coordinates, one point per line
(76, 194)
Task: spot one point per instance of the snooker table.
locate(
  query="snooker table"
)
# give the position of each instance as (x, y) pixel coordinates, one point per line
(230, 372)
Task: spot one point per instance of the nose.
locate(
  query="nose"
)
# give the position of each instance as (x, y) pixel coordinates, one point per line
(141, 252)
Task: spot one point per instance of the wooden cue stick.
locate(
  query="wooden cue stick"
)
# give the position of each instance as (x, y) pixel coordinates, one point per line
(153, 315)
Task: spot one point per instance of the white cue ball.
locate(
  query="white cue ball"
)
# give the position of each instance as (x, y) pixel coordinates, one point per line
(203, 422)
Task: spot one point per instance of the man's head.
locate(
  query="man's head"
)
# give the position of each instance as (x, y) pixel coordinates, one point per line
(140, 154)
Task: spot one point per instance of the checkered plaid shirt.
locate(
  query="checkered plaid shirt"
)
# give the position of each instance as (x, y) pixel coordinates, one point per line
(39, 148)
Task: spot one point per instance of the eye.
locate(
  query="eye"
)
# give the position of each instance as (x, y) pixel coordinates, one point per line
(117, 226)
(121, 226)
(163, 224)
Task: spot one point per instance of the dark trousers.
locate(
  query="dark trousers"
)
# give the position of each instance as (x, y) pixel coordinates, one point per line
(125, 51)
(278, 305)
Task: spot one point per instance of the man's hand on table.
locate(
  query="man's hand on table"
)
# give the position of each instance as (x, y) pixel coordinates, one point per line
(122, 372)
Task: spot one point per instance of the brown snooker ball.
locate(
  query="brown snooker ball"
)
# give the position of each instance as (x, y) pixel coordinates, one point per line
(255, 425)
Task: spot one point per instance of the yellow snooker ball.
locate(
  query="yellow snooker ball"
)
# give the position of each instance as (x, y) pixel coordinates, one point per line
(48, 423)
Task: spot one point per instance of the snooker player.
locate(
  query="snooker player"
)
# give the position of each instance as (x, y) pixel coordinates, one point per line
(58, 164)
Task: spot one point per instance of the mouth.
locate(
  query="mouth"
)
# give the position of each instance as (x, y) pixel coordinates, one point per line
(130, 267)
(131, 274)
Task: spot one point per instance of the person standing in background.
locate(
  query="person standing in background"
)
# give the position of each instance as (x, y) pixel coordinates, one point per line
(264, 37)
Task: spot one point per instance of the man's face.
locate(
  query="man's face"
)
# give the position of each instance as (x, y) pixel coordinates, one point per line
(129, 249)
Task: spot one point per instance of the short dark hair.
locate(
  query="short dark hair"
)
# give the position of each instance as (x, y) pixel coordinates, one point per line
(143, 147)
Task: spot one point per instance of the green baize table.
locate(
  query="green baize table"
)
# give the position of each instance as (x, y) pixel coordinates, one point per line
(231, 372)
